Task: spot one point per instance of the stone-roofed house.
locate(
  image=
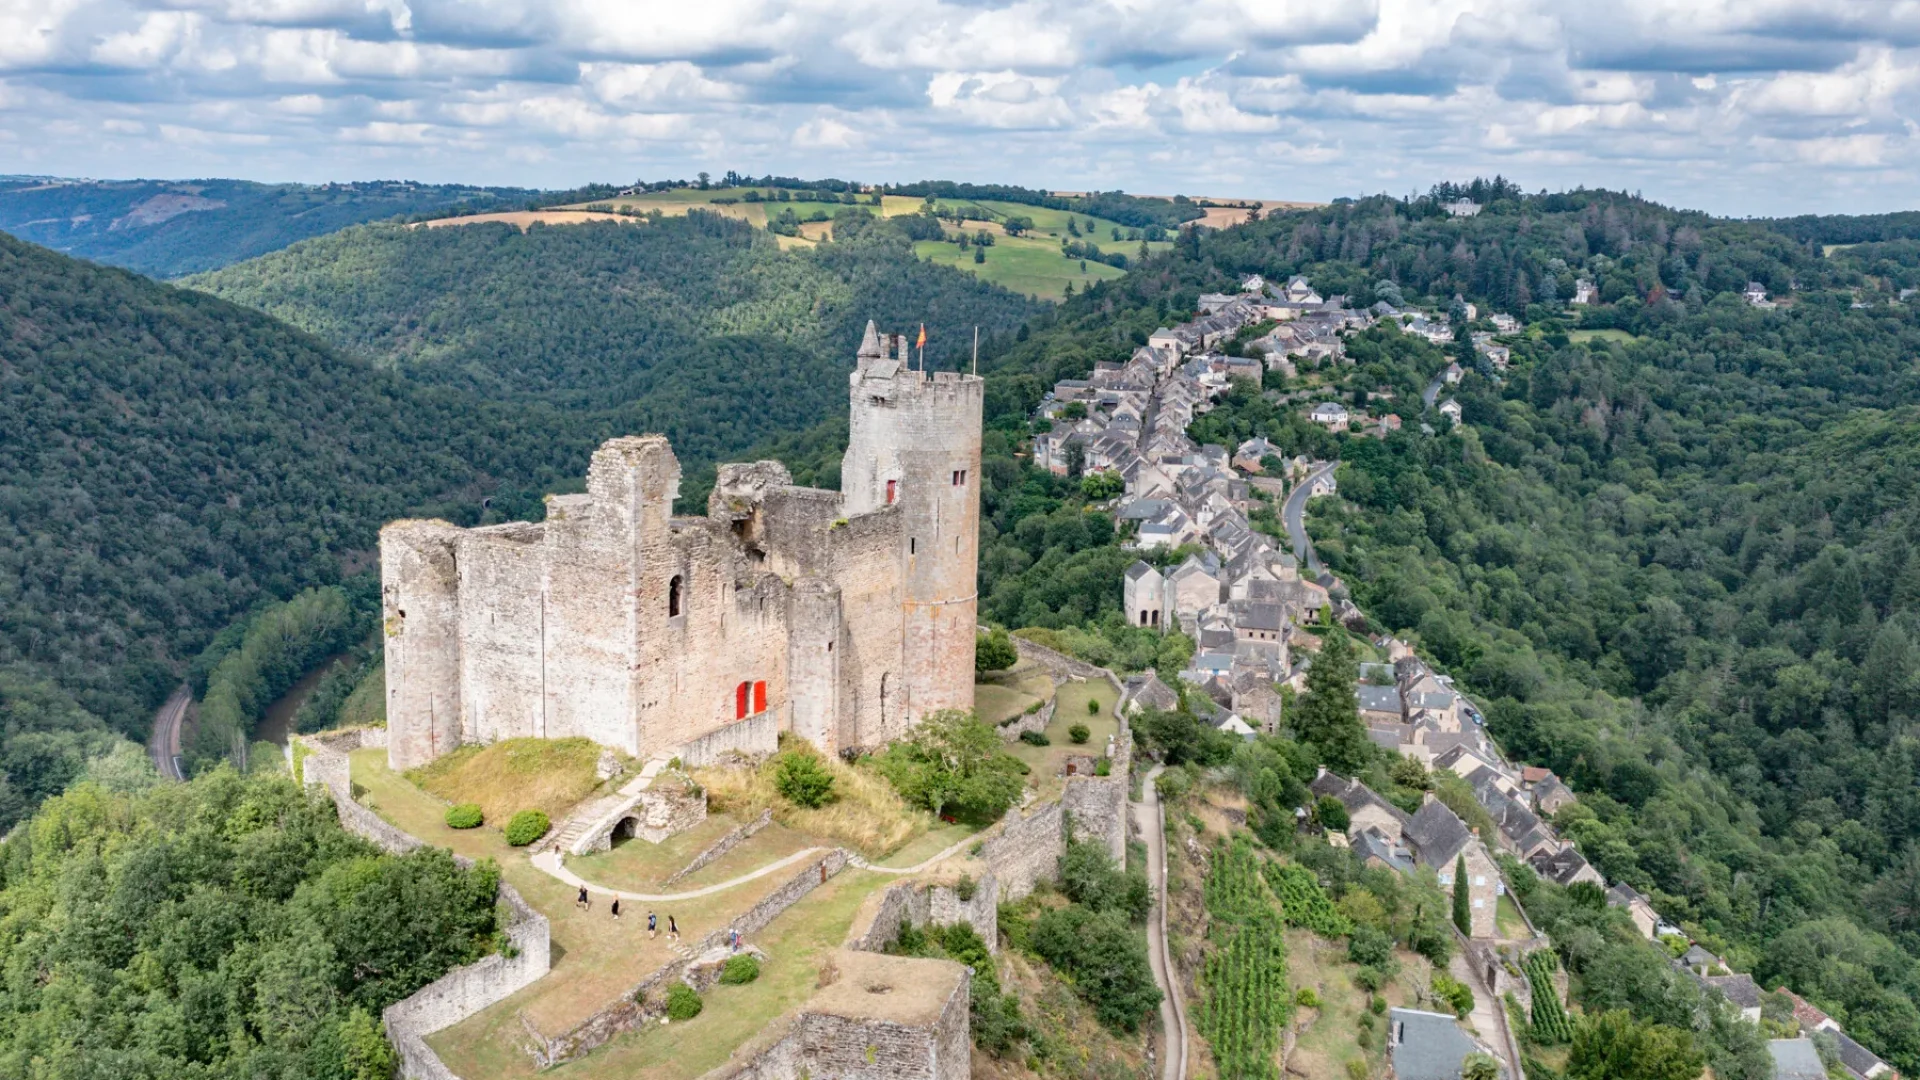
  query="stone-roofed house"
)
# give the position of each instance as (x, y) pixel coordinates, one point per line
(1565, 866)
(1379, 704)
(1796, 1059)
(1426, 1046)
(1146, 691)
(1332, 414)
(1366, 808)
(1145, 595)
(1438, 838)
(1376, 849)
(1863, 1063)
(1740, 989)
(1638, 908)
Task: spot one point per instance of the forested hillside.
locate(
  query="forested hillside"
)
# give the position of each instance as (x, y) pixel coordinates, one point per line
(682, 318)
(167, 228)
(1675, 556)
(168, 459)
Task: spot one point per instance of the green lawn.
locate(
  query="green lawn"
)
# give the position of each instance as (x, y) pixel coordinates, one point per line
(1507, 920)
(1071, 708)
(795, 944)
(926, 846)
(1004, 695)
(1620, 336)
(595, 957)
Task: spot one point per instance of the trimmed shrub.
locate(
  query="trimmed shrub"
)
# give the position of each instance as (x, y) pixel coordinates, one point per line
(1035, 738)
(1093, 706)
(803, 780)
(465, 816)
(527, 826)
(1307, 998)
(683, 1002)
(739, 970)
(1079, 734)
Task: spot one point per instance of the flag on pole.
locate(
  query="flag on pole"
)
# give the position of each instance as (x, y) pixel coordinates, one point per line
(923, 336)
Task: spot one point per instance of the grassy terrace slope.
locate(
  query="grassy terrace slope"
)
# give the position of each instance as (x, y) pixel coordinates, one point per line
(678, 318)
(1030, 264)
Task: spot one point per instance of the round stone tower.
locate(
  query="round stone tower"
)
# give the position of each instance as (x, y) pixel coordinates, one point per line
(915, 443)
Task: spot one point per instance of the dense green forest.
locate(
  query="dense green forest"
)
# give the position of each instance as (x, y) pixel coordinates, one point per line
(168, 228)
(227, 927)
(674, 318)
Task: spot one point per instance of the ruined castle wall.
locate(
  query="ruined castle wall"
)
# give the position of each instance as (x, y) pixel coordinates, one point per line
(814, 652)
(1027, 850)
(588, 633)
(502, 647)
(419, 590)
(865, 566)
(755, 737)
(1097, 806)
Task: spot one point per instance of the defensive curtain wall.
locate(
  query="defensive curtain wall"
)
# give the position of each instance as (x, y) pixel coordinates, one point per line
(880, 1017)
(463, 991)
(842, 616)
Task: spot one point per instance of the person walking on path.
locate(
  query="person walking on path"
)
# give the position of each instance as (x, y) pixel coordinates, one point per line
(673, 929)
(581, 901)
(616, 907)
(733, 938)
(653, 925)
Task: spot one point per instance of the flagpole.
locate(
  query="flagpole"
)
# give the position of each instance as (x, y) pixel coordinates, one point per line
(976, 350)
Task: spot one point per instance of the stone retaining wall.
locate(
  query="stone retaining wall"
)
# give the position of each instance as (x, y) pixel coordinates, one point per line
(1033, 721)
(723, 845)
(646, 1000)
(920, 903)
(755, 737)
(465, 990)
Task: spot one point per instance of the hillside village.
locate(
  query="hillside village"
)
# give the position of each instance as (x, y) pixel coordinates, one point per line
(1252, 615)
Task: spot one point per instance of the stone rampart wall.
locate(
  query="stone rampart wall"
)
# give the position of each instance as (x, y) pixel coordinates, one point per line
(920, 903)
(1097, 806)
(1027, 849)
(465, 990)
(755, 737)
(723, 845)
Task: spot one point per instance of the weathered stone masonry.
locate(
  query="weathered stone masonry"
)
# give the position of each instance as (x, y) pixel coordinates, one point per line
(842, 616)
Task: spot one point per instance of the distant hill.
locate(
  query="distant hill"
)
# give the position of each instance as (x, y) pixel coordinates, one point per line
(167, 228)
(681, 317)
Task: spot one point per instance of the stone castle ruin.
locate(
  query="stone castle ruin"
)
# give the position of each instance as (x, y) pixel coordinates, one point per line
(842, 616)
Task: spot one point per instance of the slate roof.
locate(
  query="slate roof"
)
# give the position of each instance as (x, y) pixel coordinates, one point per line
(1738, 988)
(1437, 834)
(1796, 1059)
(1354, 795)
(1151, 693)
(1561, 866)
(1138, 570)
(1426, 1046)
(1371, 844)
(1855, 1057)
(1379, 699)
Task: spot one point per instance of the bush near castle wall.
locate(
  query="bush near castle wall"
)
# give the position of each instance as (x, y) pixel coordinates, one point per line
(527, 826)
(465, 816)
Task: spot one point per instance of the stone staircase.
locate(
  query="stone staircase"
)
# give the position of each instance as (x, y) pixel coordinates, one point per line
(600, 813)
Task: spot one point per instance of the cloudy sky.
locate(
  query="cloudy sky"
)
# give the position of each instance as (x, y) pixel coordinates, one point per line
(1734, 106)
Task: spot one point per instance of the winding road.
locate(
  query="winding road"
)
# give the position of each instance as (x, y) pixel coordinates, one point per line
(1294, 513)
(164, 744)
(1149, 816)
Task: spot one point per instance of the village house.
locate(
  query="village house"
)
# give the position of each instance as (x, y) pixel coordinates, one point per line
(1564, 866)
(1450, 409)
(1638, 908)
(1332, 414)
(1584, 292)
(1366, 809)
(1439, 838)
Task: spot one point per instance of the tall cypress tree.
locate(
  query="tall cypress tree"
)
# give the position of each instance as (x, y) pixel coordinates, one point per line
(1329, 716)
(1462, 916)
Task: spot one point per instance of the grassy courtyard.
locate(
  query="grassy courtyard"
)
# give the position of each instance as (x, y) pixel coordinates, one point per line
(1070, 708)
(595, 957)
(485, 1046)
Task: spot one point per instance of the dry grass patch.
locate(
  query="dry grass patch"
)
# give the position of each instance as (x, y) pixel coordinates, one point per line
(514, 775)
(524, 219)
(866, 813)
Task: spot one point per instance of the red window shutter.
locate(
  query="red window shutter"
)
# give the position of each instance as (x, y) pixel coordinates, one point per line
(740, 702)
(893, 489)
(760, 697)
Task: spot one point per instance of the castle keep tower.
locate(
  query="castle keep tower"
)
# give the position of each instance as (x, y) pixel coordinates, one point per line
(915, 443)
(842, 617)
